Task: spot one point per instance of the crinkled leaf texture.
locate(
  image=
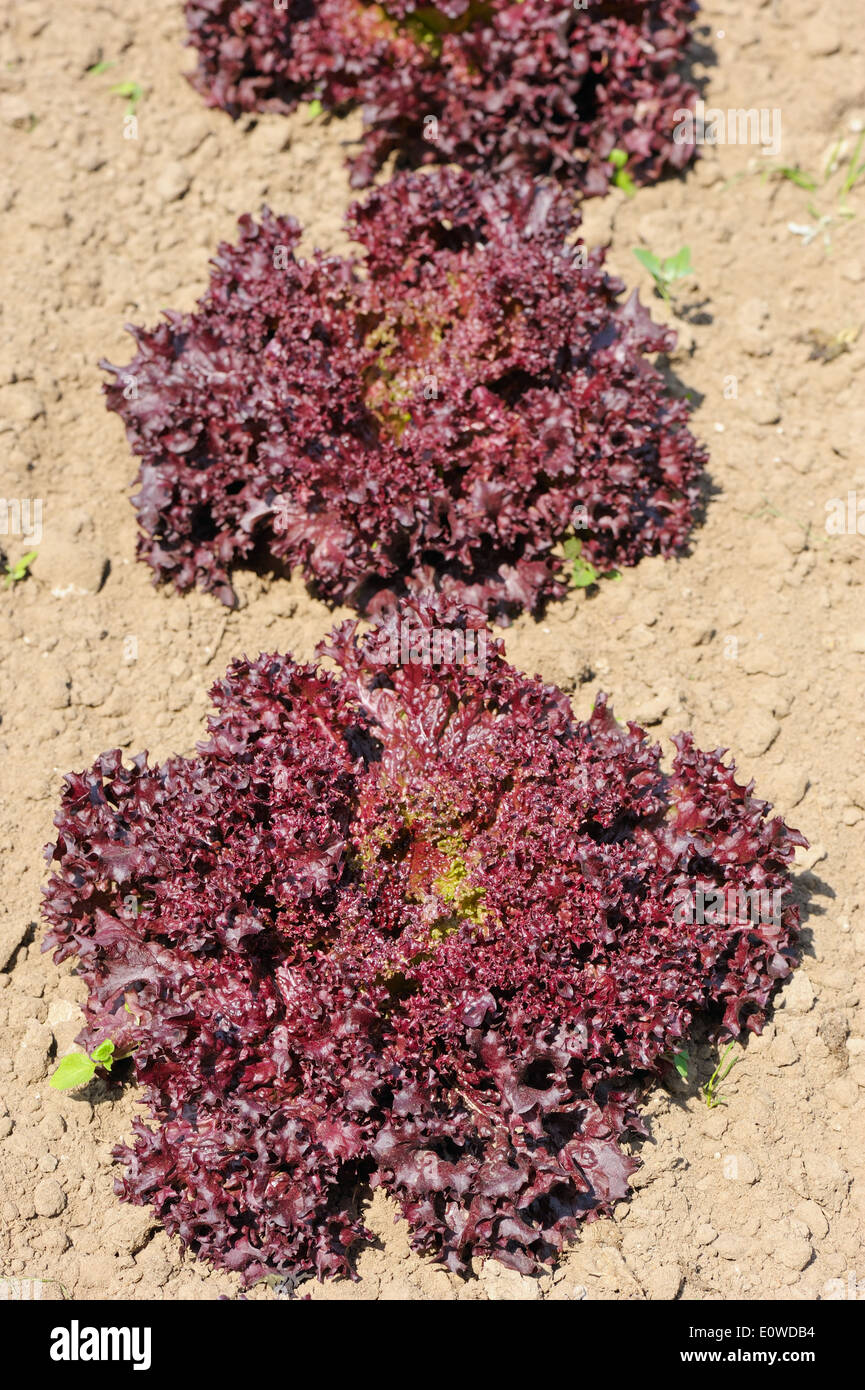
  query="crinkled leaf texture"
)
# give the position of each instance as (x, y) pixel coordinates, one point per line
(440, 412)
(408, 925)
(543, 86)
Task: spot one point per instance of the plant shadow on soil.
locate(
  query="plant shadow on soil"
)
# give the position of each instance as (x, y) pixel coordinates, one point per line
(107, 1090)
(27, 938)
(699, 51)
(697, 313)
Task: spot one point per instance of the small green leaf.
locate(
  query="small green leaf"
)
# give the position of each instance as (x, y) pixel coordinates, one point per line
(19, 570)
(680, 1062)
(675, 267)
(104, 1053)
(74, 1070)
(798, 176)
(665, 272)
(584, 574)
(855, 169)
(572, 547)
(832, 161)
(100, 67)
(710, 1092)
(131, 90)
(621, 178)
(649, 260)
(313, 109)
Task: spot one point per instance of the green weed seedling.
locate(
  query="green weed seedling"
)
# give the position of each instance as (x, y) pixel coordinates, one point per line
(133, 91)
(15, 573)
(78, 1069)
(582, 573)
(855, 170)
(793, 174)
(666, 272)
(824, 220)
(710, 1092)
(621, 178)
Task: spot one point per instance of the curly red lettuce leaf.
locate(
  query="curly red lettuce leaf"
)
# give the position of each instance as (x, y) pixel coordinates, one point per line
(541, 86)
(441, 413)
(406, 922)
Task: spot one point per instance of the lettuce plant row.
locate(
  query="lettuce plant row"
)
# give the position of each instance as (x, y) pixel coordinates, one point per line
(443, 409)
(405, 925)
(545, 86)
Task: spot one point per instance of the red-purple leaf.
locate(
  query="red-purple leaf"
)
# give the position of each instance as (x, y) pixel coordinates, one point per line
(441, 412)
(411, 926)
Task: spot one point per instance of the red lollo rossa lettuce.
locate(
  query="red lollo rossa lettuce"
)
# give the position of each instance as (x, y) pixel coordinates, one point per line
(440, 412)
(542, 86)
(403, 921)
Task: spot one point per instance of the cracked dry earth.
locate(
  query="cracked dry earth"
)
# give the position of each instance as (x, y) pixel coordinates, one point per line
(756, 640)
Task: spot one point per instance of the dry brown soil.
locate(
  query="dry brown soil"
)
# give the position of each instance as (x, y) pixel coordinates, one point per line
(756, 640)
